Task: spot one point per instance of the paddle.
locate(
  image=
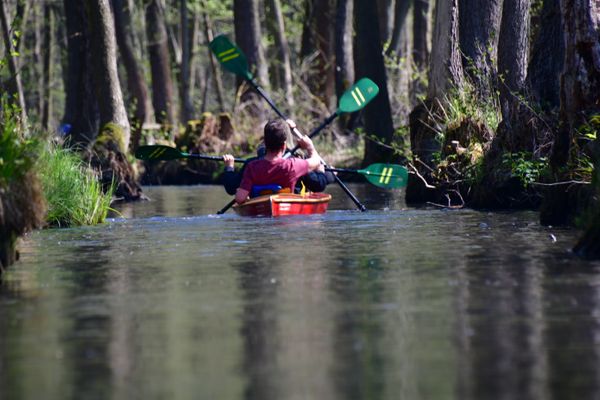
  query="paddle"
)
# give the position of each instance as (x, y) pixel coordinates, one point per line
(353, 99)
(160, 152)
(234, 60)
(387, 176)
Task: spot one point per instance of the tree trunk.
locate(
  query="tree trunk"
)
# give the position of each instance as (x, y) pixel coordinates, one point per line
(47, 73)
(580, 80)
(284, 51)
(158, 49)
(385, 10)
(20, 20)
(213, 63)
(344, 69)
(400, 14)
(104, 62)
(81, 107)
(248, 37)
(318, 41)
(479, 27)
(15, 87)
(369, 62)
(445, 73)
(187, 110)
(579, 88)
(513, 56)
(547, 58)
(446, 69)
(420, 16)
(135, 79)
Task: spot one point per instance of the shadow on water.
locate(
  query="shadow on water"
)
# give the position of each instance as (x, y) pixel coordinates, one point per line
(172, 301)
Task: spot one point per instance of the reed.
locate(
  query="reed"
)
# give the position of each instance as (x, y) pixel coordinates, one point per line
(72, 189)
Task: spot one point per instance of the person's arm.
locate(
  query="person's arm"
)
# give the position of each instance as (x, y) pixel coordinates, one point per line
(231, 179)
(241, 195)
(313, 157)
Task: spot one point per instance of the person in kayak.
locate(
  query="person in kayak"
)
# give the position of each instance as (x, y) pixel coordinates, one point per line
(273, 169)
(314, 181)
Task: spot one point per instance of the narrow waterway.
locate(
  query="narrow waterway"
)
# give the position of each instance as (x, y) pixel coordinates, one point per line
(169, 301)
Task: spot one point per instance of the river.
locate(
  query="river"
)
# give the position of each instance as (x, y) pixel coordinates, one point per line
(166, 300)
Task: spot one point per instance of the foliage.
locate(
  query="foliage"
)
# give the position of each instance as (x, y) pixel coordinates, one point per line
(72, 189)
(464, 103)
(524, 166)
(17, 155)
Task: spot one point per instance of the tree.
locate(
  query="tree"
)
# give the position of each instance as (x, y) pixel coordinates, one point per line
(344, 62)
(513, 56)
(445, 74)
(420, 52)
(580, 80)
(187, 110)
(248, 36)
(135, 79)
(81, 107)
(580, 86)
(385, 11)
(104, 64)
(318, 42)
(284, 51)
(368, 60)
(547, 57)
(15, 86)
(162, 83)
(479, 27)
(46, 100)
(400, 13)
(208, 33)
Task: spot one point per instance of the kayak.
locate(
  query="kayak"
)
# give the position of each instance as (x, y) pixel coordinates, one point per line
(276, 205)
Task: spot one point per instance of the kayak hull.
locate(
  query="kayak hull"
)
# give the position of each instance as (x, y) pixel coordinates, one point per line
(277, 205)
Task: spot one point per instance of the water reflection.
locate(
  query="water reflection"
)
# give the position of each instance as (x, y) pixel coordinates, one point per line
(390, 304)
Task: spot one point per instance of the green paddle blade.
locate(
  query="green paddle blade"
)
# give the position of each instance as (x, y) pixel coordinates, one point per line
(387, 176)
(158, 152)
(230, 56)
(358, 96)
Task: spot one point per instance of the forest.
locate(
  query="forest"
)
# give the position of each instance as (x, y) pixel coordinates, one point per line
(490, 104)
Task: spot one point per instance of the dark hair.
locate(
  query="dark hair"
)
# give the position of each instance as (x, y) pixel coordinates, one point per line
(276, 134)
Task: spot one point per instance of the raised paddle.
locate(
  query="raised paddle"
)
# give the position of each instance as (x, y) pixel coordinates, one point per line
(233, 60)
(387, 176)
(353, 99)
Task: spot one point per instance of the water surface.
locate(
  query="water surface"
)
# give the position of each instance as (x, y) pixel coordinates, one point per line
(169, 301)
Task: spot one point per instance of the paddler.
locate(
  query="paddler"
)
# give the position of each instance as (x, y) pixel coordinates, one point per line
(273, 169)
(314, 181)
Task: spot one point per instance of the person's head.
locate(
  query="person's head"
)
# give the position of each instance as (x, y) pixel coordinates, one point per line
(277, 132)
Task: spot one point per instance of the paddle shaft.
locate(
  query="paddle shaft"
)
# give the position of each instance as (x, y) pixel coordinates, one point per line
(260, 91)
(212, 158)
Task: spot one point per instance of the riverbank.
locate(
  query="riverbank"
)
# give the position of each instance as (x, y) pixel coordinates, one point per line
(42, 184)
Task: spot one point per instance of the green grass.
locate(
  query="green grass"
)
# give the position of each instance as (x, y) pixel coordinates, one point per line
(72, 189)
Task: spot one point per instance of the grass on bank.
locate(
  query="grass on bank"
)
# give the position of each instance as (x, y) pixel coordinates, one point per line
(72, 189)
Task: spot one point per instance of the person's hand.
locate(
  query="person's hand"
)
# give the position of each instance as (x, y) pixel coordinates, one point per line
(291, 124)
(321, 168)
(229, 161)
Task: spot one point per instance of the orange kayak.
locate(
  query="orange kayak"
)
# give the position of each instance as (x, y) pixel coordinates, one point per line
(276, 205)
